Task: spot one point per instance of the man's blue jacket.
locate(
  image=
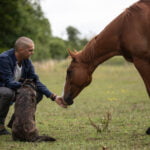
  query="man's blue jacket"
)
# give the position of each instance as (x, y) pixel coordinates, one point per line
(7, 67)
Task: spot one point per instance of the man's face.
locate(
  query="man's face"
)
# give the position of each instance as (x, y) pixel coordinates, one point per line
(27, 52)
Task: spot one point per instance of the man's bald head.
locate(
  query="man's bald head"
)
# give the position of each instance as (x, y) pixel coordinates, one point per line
(24, 48)
(23, 43)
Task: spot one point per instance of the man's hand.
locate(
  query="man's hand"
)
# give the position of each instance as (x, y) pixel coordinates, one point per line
(59, 100)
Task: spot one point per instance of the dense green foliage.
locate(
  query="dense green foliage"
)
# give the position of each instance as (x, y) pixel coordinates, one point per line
(57, 48)
(73, 37)
(25, 18)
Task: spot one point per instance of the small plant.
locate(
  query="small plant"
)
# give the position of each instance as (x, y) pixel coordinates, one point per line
(104, 123)
(104, 148)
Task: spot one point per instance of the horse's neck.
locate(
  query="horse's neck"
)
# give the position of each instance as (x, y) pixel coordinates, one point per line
(106, 48)
(100, 48)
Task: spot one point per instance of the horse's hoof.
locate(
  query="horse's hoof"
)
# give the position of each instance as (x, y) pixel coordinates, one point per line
(148, 131)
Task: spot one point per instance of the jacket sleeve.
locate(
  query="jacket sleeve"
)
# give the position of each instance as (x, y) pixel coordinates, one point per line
(40, 86)
(7, 75)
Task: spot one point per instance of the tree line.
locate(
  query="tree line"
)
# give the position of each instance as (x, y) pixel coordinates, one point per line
(26, 18)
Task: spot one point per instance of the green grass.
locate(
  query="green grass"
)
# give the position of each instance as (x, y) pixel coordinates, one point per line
(117, 89)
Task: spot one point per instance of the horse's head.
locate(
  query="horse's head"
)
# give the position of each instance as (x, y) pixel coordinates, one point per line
(78, 76)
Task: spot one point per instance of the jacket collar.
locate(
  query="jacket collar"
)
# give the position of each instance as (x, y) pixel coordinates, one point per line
(12, 53)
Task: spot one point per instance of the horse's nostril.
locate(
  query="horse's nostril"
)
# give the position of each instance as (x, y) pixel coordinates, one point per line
(69, 101)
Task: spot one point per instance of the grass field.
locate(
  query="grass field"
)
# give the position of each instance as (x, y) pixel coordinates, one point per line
(116, 90)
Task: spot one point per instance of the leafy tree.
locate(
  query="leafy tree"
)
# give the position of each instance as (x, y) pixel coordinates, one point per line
(74, 42)
(8, 22)
(24, 18)
(72, 34)
(58, 48)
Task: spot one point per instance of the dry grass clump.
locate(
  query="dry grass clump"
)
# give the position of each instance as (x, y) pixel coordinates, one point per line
(104, 123)
(45, 65)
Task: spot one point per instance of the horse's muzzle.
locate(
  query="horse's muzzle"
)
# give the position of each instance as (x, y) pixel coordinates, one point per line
(68, 100)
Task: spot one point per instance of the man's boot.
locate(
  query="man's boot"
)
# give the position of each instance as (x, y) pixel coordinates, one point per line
(3, 131)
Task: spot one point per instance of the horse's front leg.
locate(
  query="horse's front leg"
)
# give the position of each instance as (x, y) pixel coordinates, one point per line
(143, 67)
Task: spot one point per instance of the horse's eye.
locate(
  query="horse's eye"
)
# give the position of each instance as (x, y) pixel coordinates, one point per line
(69, 72)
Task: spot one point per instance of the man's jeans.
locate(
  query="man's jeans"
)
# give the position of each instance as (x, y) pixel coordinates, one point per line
(7, 96)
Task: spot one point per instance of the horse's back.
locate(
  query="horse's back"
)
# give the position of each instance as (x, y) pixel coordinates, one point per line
(136, 29)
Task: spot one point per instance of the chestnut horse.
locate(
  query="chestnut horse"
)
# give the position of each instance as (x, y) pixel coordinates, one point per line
(127, 35)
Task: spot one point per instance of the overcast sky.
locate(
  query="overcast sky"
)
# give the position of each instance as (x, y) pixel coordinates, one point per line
(88, 16)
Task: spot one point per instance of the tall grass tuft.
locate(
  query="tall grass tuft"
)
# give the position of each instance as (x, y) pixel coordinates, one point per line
(103, 125)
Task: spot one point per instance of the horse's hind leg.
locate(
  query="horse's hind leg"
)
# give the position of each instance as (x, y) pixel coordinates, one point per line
(143, 67)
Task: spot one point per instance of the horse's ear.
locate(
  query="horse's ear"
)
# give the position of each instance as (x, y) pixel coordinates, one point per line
(75, 51)
(72, 54)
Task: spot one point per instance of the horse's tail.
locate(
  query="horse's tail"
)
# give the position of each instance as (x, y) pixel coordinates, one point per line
(45, 138)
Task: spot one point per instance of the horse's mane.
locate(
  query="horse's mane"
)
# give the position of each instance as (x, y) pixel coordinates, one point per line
(145, 0)
(116, 25)
(129, 12)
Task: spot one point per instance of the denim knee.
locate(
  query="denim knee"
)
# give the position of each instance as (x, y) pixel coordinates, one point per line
(6, 94)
